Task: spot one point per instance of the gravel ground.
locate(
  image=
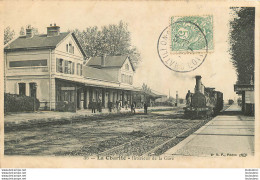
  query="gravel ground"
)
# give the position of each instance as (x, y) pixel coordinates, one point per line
(92, 137)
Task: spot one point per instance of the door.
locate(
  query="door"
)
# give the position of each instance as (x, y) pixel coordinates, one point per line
(66, 99)
(33, 88)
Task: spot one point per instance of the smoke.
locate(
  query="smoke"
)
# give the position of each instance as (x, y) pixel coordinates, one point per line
(183, 76)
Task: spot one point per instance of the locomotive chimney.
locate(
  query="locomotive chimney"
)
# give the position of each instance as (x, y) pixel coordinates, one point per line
(198, 84)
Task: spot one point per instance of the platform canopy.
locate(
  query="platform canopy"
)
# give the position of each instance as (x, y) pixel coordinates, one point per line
(239, 88)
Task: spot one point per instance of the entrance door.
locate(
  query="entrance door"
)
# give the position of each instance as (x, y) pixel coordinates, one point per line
(66, 99)
(78, 98)
(22, 89)
(33, 90)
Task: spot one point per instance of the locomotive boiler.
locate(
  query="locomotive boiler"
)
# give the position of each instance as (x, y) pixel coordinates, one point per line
(204, 102)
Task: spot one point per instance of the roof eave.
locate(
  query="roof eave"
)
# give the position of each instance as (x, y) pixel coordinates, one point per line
(86, 77)
(30, 48)
(131, 62)
(79, 45)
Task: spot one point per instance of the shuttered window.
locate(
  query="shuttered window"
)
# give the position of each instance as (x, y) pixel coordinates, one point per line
(81, 69)
(66, 69)
(73, 68)
(69, 67)
(77, 68)
(59, 65)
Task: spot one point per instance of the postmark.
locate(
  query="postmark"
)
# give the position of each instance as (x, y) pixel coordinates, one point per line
(183, 45)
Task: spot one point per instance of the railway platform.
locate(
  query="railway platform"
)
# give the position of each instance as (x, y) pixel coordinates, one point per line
(228, 134)
(23, 118)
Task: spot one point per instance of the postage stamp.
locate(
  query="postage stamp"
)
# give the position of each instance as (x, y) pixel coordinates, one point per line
(191, 34)
(183, 45)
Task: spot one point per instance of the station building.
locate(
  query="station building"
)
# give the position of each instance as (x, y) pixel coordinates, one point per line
(248, 98)
(53, 68)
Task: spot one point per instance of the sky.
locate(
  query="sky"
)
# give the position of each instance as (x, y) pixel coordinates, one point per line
(146, 21)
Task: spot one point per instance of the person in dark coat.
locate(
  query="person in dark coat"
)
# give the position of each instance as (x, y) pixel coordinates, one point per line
(117, 106)
(99, 106)
(93, 106)
(126, 105)
(110, 105)
(188, 98)
(133, 108)
(145, 107)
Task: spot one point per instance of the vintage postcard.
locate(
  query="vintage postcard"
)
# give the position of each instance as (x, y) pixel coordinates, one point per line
(130, 84)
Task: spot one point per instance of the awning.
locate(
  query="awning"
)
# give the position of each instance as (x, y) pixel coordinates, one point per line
(239, 88)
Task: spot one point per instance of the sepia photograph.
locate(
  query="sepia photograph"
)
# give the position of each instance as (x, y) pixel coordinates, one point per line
(142, 83)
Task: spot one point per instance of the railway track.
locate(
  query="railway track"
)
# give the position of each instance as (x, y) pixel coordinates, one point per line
(156, 142)
(173, 141)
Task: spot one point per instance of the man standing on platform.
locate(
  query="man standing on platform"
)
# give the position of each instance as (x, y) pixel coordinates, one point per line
(133, 108)
(93, 106)
(110, 106)
(188, 98)
(145, 108)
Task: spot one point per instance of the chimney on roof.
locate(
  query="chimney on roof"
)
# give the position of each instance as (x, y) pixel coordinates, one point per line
(103, 60)
(53, 30)
(29, 32)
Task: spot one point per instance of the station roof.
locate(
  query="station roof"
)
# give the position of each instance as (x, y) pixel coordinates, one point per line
(36, 41)
(102, 75)
(41, 41)
(99, 74)
(110, 61)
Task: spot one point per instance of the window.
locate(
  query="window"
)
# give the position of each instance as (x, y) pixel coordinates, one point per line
(127, 67)
(70, 48)
(28, 63)
(73, 68)
(66, 96)
(131, 79)
(22, 88)
(80, 69)
(126, 79)
(69, 67)
(123, 78)
(59, 65)
(66, 69)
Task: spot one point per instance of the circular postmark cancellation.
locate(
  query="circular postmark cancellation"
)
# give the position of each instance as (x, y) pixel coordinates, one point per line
(182, 46)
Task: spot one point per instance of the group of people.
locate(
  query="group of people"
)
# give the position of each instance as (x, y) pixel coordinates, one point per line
(112, 106)
(96, 106)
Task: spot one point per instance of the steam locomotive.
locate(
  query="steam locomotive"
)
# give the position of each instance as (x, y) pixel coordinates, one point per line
(204, 102)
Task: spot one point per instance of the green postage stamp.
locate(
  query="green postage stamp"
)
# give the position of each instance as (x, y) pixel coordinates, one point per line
(191, 34)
